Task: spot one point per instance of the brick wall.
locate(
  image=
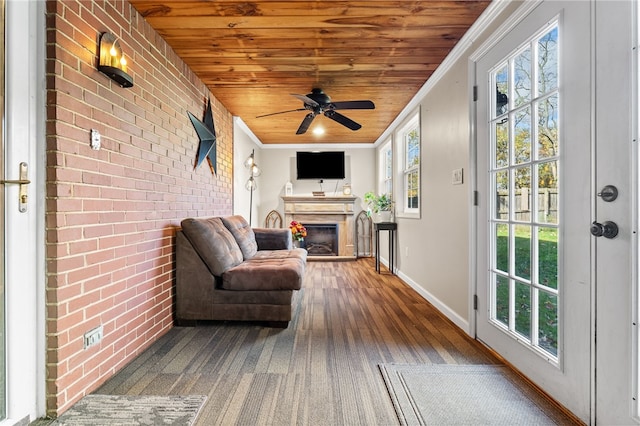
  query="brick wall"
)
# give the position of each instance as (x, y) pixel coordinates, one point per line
(112, 213)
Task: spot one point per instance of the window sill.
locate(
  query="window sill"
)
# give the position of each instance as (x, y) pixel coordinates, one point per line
(404, 215)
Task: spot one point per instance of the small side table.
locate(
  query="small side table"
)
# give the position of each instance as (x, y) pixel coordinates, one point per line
(391, 227)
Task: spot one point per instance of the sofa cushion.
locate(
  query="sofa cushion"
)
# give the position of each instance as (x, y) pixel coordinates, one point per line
(243, 234)
(273, 238)
(259, 273)
(214, 243)
(296, 253)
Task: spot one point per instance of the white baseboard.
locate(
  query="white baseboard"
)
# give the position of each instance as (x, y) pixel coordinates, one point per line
(442, 307)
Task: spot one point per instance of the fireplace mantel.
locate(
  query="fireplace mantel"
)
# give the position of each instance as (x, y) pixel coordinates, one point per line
(325, 209)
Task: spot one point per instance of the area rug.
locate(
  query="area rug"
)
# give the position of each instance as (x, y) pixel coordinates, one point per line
(436, 394)
(94, 410)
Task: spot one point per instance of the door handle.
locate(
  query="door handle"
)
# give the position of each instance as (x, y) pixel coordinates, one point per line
(23, 181)
(608, 229)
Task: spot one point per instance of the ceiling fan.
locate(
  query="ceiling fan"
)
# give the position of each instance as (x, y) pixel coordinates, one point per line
(319, 102)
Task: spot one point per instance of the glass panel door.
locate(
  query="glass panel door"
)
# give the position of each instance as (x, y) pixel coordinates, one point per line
(524, 175)
(533, 180)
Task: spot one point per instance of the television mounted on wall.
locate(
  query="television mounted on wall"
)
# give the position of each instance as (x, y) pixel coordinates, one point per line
(320, 165)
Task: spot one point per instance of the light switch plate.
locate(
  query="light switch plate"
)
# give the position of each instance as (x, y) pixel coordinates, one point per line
(95, 139)
(456, 177)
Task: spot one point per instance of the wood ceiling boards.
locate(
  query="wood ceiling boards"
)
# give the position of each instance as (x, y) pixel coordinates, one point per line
(254, 54)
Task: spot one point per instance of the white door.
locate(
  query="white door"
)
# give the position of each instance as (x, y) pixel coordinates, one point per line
(24, 142)
(3, 381)
(534, 139)
(616, 127)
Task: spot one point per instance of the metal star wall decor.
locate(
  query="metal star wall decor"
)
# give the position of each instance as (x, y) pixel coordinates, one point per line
(207, 134)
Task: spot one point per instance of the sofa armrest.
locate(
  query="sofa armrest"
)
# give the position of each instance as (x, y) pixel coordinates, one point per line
(273, 238)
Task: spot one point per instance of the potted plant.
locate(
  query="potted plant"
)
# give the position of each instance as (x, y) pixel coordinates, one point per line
(379, 207)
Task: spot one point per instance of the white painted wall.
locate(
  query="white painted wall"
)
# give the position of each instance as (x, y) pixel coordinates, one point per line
(279, 166)
(244, 141)
(434, 249)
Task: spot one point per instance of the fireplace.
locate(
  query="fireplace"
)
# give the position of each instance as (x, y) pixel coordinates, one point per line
(335, 211)
(322, 239)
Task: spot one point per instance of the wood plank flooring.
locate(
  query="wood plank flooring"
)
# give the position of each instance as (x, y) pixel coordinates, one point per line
(321, 370)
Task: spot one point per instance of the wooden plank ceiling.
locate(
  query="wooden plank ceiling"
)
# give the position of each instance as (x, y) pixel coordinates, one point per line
(254, 54)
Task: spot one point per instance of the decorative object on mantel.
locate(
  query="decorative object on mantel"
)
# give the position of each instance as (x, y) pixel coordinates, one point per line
(298, 233)
(207, 134)
(251, 185)
(321, 192)
(112, 61)
(379, 207)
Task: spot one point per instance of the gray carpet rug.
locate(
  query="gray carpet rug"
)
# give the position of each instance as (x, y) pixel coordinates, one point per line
(437, 394)
(120, 410)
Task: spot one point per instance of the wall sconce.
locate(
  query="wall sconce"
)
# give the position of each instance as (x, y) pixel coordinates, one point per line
(112, 60)
(251, 185)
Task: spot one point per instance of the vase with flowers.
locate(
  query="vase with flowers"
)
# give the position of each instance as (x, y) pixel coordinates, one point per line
(298, 233)
(379, 207)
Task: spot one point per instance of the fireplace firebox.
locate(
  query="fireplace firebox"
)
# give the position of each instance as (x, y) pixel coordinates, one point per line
(322, 239)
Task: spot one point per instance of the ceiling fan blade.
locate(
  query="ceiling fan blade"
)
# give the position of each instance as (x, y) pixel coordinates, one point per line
(353, 105)
(305, 123)
(345, 121)
(281, 112)
(306, 100)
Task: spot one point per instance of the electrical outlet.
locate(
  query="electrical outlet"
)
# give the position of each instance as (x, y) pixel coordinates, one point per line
(456, 177)
(406, 252)
(92, 337)
(95, 139)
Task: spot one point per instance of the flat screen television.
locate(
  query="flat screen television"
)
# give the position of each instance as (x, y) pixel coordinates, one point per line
(320, 165)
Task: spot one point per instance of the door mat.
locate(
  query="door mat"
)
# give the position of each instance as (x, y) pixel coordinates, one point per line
(95, 409)
(436, 394)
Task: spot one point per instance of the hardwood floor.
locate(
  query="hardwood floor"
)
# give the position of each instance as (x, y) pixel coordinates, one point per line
(321, 370)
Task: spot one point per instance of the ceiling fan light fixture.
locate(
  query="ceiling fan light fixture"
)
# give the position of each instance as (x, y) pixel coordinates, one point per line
(318, 131)
(319, 103)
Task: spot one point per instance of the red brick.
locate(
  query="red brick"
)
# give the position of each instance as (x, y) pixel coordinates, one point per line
(80, 303)
(98, 231)
(65, 323)
(66, 264)
(83, 246)
(113, 212)
(81, 218)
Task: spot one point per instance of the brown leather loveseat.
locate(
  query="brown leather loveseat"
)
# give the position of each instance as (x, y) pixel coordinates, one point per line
(226, 270)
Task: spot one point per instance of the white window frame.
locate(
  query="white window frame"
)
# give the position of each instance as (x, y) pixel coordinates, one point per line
(385, 169)
(402, 209)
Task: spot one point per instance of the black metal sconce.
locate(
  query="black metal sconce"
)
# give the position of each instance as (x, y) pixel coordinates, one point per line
(112, 60)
